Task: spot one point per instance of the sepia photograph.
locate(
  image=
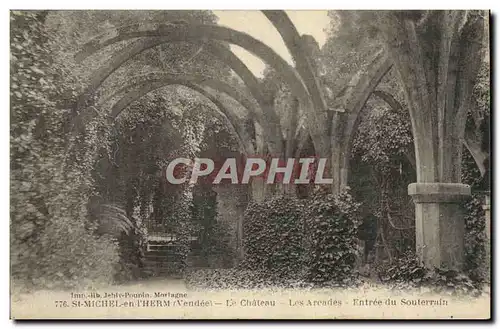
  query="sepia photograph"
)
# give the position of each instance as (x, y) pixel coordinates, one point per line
(250, 164)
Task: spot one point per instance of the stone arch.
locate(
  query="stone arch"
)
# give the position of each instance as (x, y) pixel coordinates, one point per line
(438, 79)
(223, 53)
(437, 65)
(305, 66)
(344, 124)
(472, 145)
(301, 83)
(160, 77)
(367, 81)
(296, 46)
(389, 99)
(141, 88)
(164, 33)
(156, 34)
(270, 123)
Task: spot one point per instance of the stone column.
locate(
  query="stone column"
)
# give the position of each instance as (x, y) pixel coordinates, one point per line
(439, 223)
(229, 212)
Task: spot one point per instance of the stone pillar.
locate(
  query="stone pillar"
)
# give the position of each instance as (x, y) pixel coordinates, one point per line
(439, 223)
(230, 210)
(487, 228)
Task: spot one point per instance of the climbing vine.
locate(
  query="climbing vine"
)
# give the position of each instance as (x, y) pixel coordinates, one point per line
(273, 239)
(332, 223)
(50, 170)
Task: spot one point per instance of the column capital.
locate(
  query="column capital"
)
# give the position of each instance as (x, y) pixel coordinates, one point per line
(439, 192)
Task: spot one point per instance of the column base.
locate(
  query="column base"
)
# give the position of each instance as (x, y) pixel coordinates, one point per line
(439, 223)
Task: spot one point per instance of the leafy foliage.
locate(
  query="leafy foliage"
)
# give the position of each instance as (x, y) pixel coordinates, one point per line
(407, 272)
(240, 278)
(475, 239)
(57, 176)
(343, 55)
(332, 237)
(384, 135)
(406, 269)
(313, 240)
(53, 243)
(62, 236)
(273, 236)
(382, 165)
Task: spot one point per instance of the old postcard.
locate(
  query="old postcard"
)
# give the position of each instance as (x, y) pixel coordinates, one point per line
(169, 164)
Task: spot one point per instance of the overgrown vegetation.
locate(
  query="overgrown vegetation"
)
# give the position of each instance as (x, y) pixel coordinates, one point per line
(52, 242)
(83, 185)
(274, 234)
(408, 272)
(312, 241)
(88, 189)
(331, 225)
